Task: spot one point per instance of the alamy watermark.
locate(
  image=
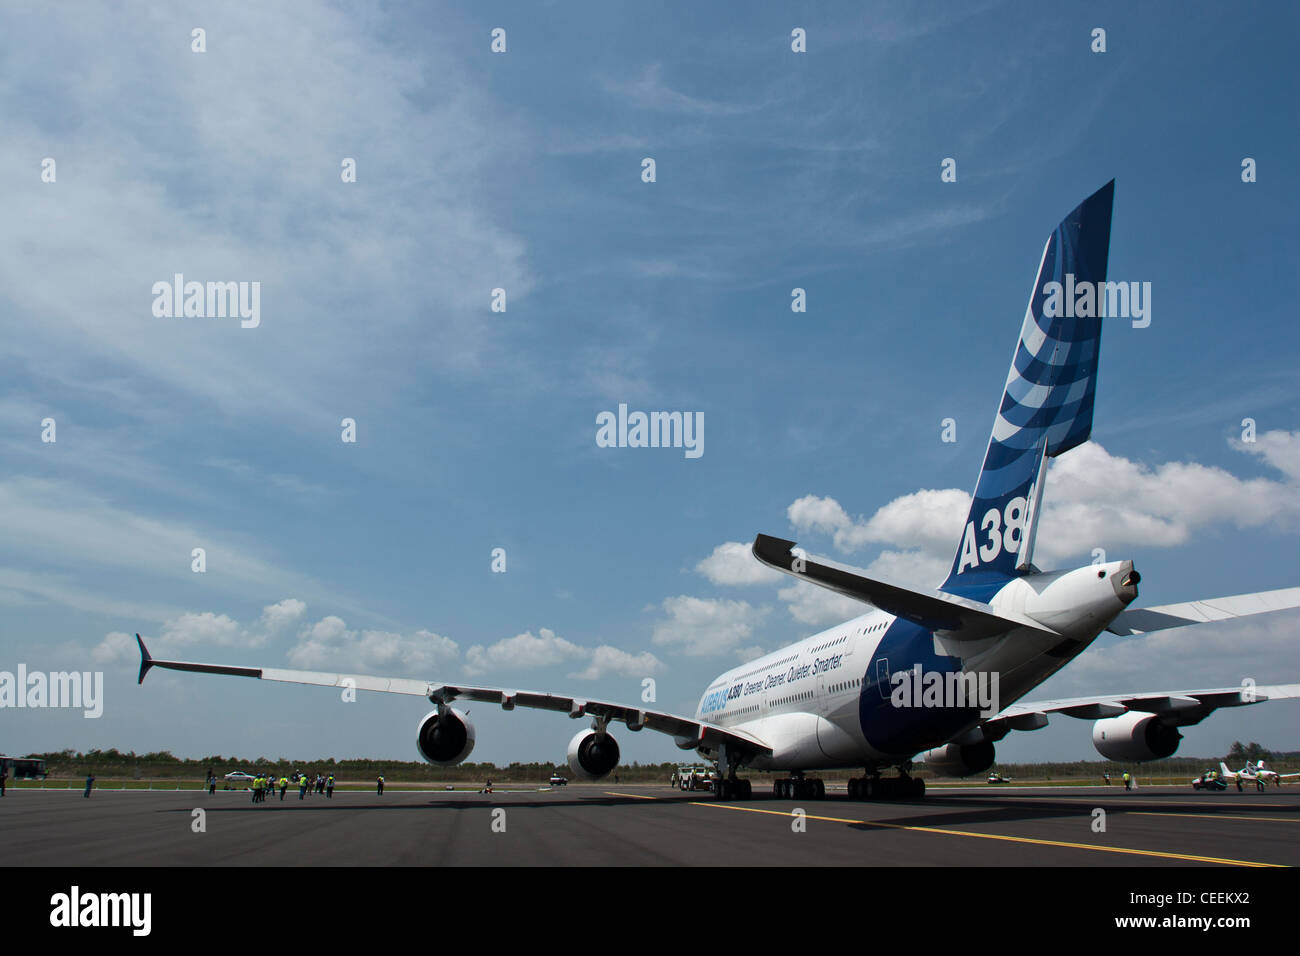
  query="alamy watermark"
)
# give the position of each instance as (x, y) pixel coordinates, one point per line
(651, 430)
(948, 689)
(208, 300)
(37, 689)
(1106, 300)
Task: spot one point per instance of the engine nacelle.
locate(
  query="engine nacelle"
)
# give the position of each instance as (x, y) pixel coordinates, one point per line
(445, 740)
(1134, 736)
(959, 760)
(592, 755)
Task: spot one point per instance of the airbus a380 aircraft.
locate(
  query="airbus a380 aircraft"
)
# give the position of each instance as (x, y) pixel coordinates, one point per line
(922, 672)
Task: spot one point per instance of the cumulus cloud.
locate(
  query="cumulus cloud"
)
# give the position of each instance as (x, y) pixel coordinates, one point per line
(816, 606)
(702, 627)
(115, 648)
(733, 563)
(275, 617)
(1096, 499)
(609, 661)
(925, 519)
(1093, 499)
(529, 651)
(1280, 449)
(526, 651)
(331, 644)
(204, 628)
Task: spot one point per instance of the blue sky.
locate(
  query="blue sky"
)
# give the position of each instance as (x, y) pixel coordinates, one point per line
(476, 429)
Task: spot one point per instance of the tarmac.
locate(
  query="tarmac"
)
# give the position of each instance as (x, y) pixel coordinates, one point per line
(643, 825)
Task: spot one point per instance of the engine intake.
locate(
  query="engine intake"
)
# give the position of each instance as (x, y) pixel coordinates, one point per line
(960, 760)
(1135, 736)
(446, 739)
(592, 755)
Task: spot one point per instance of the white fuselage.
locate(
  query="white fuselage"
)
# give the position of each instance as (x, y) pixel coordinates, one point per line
(806, 700)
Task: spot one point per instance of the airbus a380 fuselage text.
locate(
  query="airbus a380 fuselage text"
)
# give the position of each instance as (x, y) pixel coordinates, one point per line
(936, 673)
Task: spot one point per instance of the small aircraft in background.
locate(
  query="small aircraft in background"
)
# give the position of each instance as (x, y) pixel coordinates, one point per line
(1266, 775)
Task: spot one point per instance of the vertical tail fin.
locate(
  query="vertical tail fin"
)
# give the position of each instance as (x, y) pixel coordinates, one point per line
(1046, 406)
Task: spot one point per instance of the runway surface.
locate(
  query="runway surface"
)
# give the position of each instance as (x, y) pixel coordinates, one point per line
(604, 825)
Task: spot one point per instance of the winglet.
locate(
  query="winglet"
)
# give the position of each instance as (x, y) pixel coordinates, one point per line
(146, 661)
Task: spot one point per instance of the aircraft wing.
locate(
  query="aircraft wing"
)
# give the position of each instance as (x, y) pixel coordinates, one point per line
(1142, 620)
(1185, 706)
(686, 730)
(962, 618)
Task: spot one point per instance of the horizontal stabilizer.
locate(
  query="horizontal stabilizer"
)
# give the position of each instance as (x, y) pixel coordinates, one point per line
(960, 617)
(1180, 708)
(1142, 620)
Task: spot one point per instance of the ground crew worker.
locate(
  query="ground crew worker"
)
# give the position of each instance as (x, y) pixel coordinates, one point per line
(379, 785)
(4, 775)
(1128, 781)
(329, 786)
(284, 785)
(212, 783)
(1106, 777)
(257, 787)
(90, 782)
(1259, 784)
(302, 786)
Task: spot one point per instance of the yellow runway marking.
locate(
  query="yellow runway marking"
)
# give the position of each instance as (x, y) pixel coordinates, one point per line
(634, 796)
(998, 836)
(1207, 816)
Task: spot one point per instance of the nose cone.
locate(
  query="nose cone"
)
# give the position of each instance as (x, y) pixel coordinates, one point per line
(1125, 582)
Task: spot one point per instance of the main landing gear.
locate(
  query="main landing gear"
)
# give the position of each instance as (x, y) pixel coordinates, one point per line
(732, 788)
(799, 787)
(876, 787)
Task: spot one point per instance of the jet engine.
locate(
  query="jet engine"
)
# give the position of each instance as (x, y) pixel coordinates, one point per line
(1134, 736)
(592, 755)
(959, 760)
(445, 739)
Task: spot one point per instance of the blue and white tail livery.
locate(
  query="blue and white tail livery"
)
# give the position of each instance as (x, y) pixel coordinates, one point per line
(937, 674)
(1046, 407)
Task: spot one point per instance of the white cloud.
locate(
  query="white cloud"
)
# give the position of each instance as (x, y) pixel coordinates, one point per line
(137, 214)
(1093, 499)
(609, 661)
(1278, 448)
(205, 628)
(701, 627)
(816, 606)
(115, 648)
(925, 519)
(733, 563)
(330, 644)
(526, 651)
(277, 616)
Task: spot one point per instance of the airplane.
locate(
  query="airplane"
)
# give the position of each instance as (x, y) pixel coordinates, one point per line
(1262, 771)
(929, 675)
